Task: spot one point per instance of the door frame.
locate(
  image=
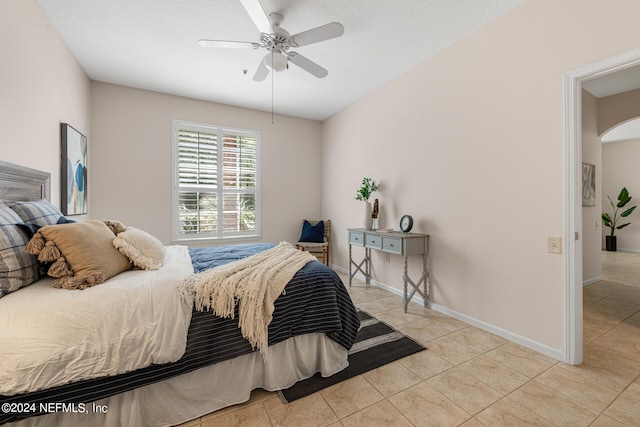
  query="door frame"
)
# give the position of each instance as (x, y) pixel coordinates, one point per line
(573, 80)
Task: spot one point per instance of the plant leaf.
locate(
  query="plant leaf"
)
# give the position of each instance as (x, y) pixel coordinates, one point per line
(627, 212)
(623, 197)
(622, 226)
(624, 194)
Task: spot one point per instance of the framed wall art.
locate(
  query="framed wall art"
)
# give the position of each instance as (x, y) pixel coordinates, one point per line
(588, 184)
(73, 183)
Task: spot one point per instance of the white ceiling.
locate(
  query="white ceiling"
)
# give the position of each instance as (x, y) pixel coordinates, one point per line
(153, 45)
(614, 83)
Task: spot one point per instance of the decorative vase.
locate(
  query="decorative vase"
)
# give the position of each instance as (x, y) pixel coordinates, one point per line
(367, 216)
(611, 243)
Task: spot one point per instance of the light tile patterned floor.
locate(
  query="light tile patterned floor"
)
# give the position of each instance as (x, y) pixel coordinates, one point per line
(472, 378)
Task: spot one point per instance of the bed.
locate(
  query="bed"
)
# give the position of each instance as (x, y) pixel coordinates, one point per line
(133, 350)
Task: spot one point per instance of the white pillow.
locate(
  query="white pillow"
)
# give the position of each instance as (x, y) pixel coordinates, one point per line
(143, 250)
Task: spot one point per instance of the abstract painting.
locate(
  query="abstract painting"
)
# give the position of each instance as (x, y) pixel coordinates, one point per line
(588, 185)
(73, 184)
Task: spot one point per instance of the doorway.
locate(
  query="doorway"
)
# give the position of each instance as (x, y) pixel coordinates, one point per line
(573, 82)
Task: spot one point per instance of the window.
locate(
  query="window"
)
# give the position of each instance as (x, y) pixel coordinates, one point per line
(216, 182)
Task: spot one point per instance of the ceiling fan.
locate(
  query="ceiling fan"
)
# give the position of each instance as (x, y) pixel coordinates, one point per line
(278, 42)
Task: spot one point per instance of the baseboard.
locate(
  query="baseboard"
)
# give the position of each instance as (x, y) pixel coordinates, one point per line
(508, 335)
(628, 250)
(591, 281)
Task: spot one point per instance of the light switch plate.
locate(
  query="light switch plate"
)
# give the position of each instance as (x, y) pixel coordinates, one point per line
(554, 245)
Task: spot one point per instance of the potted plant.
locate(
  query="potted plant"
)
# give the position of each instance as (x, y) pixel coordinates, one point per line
(363, 194)
(612, 221)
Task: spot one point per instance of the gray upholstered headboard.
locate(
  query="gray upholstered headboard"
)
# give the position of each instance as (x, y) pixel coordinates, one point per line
(22, 183)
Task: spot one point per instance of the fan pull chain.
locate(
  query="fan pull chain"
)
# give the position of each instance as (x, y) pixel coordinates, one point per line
(272, 78)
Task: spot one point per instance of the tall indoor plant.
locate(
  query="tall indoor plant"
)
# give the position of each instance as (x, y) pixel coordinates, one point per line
(612, 221)
(363, 194)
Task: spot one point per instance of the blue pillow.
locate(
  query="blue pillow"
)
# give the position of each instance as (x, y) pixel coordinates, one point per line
(32, 229)
(312, 233)
(64, 220)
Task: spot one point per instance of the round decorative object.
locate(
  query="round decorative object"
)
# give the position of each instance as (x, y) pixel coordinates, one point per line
(406, 223)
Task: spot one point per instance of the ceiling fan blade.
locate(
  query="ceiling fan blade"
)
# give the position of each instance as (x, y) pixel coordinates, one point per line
(261, 73)
(307, 65)
(228, 44)
(318, 34)
(258, 15)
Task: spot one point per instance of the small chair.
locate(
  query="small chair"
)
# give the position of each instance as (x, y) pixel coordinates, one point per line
(315, 238)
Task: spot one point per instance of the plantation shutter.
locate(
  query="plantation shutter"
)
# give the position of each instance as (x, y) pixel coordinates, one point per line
(198, 181)
(239, 175)
(217, 182)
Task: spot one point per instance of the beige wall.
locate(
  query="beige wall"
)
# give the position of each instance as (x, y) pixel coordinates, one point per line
(620, 169)
(616, 109)
(131, 159)
(41, 85)
(598, 116)
(471, 144)
(592, 215)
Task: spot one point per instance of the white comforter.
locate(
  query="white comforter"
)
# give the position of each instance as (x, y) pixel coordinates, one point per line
(50, 337)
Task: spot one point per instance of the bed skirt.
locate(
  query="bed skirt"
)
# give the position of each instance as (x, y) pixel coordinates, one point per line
(197, 393)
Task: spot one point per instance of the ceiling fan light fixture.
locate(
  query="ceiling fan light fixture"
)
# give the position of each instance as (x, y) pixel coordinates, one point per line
(278, 42)
(275, 60)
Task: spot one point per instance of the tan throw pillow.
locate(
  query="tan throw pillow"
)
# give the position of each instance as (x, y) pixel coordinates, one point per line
(85, 247)
(144, 250)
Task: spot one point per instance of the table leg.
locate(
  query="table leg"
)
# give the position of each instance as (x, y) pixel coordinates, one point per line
(425, 280)
(367, 266)
(405, 279)
(350, 262)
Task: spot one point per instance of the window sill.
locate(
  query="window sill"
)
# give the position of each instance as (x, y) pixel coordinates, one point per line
(216, 241)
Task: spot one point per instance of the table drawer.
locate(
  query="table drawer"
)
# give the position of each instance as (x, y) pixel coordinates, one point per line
(356, 238)
(373, 241)
(392, 244)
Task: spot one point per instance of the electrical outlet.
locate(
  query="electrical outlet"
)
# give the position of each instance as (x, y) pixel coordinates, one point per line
(554, 245)
(387, 258)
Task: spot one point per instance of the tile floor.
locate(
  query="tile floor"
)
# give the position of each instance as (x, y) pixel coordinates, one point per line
(471, 378)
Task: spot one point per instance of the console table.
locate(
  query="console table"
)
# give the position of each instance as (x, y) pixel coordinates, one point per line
(403, 244)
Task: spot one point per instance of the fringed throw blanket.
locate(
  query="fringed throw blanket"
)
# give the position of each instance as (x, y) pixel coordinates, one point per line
(254, 283)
